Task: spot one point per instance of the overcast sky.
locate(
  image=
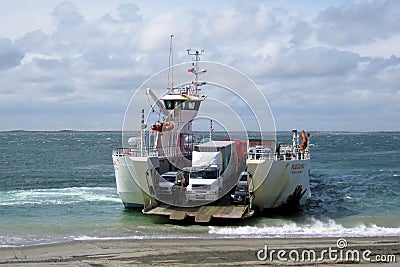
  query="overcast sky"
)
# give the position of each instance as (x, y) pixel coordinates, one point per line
(322, 65)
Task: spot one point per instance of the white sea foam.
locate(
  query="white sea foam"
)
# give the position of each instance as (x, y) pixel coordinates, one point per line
(58, 196)
(96, 238)
(316, 228)
(135, 237)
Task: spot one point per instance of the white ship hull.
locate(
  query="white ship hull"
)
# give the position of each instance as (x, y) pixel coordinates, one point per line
(129, 191)
(274, 181)
(277, 180)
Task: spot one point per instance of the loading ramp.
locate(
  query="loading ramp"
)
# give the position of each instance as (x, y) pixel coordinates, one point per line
(201, 214)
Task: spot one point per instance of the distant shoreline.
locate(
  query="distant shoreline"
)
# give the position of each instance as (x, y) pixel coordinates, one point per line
(62, 131)
(216, 132)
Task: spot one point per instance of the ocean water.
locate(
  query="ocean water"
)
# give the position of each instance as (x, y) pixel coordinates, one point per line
(59, 187)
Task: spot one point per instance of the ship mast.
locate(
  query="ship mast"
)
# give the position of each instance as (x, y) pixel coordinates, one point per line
(171, 68)
(195, 69)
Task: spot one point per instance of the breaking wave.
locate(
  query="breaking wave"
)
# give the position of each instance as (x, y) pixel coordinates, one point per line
(313, 228)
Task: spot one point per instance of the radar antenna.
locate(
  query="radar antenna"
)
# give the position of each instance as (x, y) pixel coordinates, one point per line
(195, 69)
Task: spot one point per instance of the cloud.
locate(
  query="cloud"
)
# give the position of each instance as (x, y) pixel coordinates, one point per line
(129, 12)
(300, 31)
(358, 22)
(241, 21)
(276, 60)
(67, 15)
(309, 67)
(364, 98)
(35, 42)
(10, 55)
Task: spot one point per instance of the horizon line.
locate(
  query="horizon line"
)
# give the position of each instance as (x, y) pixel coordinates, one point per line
(250, 131)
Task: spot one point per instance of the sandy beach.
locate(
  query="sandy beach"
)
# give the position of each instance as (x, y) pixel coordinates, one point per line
(209, 252)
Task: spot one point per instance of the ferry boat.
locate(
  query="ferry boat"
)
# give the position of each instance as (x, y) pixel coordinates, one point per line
(164, 171)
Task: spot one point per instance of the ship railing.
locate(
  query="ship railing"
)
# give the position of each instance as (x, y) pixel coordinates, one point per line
(148, 152)
(293, 156)
(125, 151)
(260, 155)
(287, 155)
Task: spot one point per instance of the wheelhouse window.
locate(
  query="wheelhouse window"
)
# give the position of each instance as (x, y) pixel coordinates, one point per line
(177, 103)
(172, 104)
(190, 105)
(184, 105)
(169, 104)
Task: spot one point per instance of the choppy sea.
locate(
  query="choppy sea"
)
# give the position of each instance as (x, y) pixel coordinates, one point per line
(58, 187)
